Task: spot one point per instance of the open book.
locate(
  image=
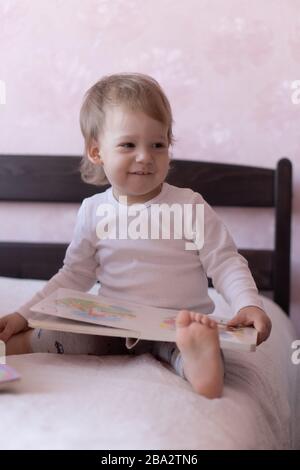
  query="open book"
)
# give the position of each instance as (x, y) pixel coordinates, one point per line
(7, 375)
(76, 312)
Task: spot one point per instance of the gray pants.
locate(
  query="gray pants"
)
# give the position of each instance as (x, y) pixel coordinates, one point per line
(74, 343)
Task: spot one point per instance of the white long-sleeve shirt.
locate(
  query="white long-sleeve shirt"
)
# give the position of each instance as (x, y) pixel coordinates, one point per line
(159, 272)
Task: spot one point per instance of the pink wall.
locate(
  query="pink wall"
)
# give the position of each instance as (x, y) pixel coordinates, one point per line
(227, 66)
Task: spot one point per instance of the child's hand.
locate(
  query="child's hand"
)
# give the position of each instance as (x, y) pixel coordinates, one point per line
(255, 316)
(11, 325)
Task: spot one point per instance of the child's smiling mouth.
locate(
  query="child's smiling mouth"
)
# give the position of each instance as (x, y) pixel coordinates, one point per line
(141, 173)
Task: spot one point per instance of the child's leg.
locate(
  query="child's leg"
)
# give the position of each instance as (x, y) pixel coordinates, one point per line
(75, 343)
(197, 355)
(19, 344)
(169, 353)
(38, 340)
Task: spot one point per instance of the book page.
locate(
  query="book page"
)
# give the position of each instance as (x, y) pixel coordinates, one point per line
(243, 338)
(150, 322)
(128, 319)
(7, 375)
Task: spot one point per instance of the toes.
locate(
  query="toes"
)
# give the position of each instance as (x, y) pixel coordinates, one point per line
(186, 317)
(205, 320)
(200, 318)
(183, 319)
(193, 315)
(212, 323)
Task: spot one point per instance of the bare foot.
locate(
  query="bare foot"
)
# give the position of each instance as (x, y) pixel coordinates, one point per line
(198, 341)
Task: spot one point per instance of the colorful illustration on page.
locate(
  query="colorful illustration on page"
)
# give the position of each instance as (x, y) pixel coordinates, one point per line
(84, 307)
(236, 334)
(7, 373)
(168, 323)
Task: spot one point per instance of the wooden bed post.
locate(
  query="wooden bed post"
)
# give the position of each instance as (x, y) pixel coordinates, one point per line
(283, 207)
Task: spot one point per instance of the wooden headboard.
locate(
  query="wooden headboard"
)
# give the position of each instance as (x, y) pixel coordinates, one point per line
(57, 179)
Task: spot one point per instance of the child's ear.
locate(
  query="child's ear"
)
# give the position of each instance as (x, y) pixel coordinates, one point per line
(93, 153)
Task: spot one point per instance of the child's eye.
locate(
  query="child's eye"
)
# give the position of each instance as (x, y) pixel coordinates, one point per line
(128, 143)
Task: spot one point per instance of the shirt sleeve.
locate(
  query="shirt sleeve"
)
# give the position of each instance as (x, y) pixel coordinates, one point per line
(79, 265)
(228, 269)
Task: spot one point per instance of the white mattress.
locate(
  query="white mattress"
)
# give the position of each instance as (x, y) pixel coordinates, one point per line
(122, 402)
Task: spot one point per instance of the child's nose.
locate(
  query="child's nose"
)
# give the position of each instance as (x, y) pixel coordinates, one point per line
(144, 156)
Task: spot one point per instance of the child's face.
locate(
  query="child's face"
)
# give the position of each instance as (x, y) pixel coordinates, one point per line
(133, 142)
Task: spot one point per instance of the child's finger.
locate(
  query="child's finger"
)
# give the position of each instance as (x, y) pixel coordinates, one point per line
(262, 336)
(238, 319)
(6, 333)
(2, 324)
(263, 330)
(234, 321)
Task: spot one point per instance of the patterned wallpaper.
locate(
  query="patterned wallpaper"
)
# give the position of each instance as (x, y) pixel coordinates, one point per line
(229, 67)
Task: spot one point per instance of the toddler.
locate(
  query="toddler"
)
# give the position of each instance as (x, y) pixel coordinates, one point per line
(126, 122)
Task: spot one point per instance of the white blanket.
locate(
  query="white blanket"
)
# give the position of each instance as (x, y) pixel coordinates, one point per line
(122, 402)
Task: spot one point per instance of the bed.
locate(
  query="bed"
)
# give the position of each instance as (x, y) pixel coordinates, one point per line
(128, 402)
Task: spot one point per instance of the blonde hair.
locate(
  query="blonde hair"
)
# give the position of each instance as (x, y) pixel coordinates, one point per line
(134, 90)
